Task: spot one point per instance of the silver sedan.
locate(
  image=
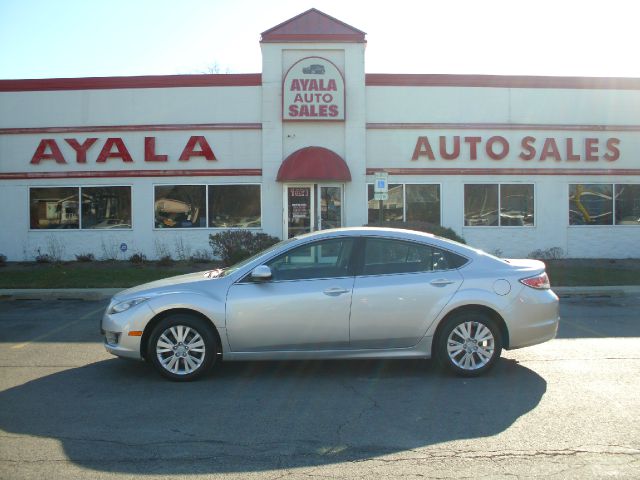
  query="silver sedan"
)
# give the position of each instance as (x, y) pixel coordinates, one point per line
(339, 294)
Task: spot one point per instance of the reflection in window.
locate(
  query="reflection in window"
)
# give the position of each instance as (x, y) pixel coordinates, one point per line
(180, 206)
(234, 206)
(330, 207)
(392, 208)
(516, 205)
(627, 204)
(481, 205)
(106, 207)
(508, 205)
(423, 203)
(54, 208)
(590, 204)
(386, 256)
(324, 259)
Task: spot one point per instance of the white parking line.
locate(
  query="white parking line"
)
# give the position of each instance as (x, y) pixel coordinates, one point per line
(56, 330)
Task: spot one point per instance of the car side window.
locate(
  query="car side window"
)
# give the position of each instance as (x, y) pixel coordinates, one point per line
(387, 256)
(323, 259)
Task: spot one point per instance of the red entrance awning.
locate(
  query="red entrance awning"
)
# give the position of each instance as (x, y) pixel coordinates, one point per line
(314, 164)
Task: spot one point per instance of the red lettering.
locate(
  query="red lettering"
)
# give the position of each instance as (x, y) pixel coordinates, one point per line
(298, 98)
(528, 150)
(613, 152)
(190, 151)
(490, 151)
(571, 157)
(305, 83)
(332, 87)
(81, 148)
(295, 85)
(150, 151)
(591, 149)
(41, 152)
(473, 146)
(550, 149)
(121, 151)
(423, 147)
(443, 148)
(293, 110)
(333, 110)
(323, 110)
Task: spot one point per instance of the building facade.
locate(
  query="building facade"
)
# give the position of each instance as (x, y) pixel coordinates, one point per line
(119, 165)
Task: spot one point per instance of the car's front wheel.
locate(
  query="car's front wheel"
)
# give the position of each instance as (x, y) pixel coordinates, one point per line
(182, 347)
(469, 344)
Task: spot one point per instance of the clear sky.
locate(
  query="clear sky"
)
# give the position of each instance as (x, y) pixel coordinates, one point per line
(83, 38)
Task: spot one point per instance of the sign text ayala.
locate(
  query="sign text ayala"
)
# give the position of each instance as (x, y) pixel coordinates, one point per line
(313, 89)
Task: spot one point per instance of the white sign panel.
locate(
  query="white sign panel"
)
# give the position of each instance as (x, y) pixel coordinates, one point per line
(313, 89)
(381, 184)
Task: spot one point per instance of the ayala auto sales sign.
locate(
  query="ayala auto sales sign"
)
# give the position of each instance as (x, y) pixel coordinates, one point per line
(313, 89)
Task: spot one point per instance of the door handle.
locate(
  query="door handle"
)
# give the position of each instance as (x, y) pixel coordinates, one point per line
(441, 282)
(334, 292)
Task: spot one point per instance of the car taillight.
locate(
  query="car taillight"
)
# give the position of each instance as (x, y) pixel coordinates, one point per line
(540, 282)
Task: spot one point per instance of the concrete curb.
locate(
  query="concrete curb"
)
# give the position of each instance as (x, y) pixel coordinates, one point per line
(104, 293)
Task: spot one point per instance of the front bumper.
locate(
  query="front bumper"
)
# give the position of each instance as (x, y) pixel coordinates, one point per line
(117, 328)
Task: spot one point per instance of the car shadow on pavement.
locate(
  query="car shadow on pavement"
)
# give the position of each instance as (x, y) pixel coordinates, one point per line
(120, 416)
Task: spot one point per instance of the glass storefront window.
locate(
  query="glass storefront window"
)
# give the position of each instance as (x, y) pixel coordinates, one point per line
(392, 208)
(180, 206)
(493, 205)
(54, 207)
(106, 207)
(627, 204)
(234, 206)
(590, 204)
(481, 205)
(423, 203)
(516, 205)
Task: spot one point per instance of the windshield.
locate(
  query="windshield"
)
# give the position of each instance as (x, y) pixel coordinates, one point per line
(246, 261)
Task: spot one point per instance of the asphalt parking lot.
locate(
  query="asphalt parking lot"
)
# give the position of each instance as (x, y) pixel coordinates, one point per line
(564, 409)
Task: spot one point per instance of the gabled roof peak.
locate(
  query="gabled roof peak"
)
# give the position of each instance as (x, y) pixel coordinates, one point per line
(313, 26)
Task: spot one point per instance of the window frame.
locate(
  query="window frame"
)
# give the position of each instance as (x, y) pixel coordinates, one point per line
(80, 227)
(206, 205)
(404, 197)
(361, 250)
(613, 201)
(500, 184)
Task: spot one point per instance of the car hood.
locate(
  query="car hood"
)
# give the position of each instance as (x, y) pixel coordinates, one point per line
(169, 284)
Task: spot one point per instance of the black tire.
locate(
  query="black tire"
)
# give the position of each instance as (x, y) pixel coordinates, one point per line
(474, 354)
(182, 347)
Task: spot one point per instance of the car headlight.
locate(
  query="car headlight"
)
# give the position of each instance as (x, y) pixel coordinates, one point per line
(126, 305)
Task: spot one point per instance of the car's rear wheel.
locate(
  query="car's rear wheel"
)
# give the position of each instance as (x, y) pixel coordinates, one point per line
(182, 347)
(469, 344)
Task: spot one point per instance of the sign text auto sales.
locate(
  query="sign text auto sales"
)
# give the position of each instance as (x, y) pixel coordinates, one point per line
(313, 89)
(527, 148)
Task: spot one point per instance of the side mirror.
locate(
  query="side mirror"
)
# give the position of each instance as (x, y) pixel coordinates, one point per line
(261, 273)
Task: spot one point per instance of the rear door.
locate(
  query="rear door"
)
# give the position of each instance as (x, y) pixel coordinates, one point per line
(400, 289)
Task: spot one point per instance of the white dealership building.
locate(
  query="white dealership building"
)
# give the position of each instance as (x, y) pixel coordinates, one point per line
(156, 164)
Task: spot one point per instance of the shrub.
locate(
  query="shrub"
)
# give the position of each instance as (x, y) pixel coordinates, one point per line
(3, 260)
(165, 261)
(43, 258)
(138, 258)
(553, 253)
(426, 227)
(85, 257)
(232, 246)
(200, 256)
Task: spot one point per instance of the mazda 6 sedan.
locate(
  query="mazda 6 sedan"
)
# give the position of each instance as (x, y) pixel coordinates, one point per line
(339, 294)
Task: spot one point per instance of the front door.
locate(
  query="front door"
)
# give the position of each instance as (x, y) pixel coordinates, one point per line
(311, 207)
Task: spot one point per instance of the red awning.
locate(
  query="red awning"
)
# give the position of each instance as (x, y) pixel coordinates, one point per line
(313, 163)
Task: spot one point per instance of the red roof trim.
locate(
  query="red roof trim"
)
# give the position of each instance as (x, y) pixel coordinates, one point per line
(133, 128)
(313, 163)
(150, 81)
(500, 81)
(502, 126)
(299, 25)
(228, 172)
(505, 171)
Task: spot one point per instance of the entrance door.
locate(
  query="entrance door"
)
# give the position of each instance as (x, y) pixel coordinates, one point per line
(312, 207)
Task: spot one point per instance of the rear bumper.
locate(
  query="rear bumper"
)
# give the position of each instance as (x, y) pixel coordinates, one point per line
(535, 318)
